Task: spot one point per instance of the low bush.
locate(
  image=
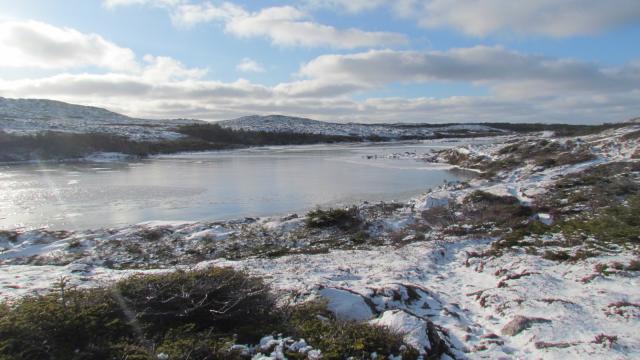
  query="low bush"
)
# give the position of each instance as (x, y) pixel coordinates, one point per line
(200, 310)
(345, 339)
(480, 208)
(217, 134)
(184, 314)
(556, 255)
(60, 145)
(345, 219)
(515, 237)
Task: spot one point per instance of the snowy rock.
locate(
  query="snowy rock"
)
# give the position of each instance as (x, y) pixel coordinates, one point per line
(216, 233)
(413, 328)
(347, 305)
(520, 323)
(283, 225)
(434, 199)
(544, 218)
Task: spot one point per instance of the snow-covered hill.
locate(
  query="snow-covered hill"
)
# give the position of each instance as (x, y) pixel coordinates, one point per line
(24, 116)
(281, 123)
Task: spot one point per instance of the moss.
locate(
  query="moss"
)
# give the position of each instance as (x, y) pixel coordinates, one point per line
(615, 225)
(515, 237)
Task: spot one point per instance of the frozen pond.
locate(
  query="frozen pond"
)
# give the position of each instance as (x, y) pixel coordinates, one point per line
(212, 185)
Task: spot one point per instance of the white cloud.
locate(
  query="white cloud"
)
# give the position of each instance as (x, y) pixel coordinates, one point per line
(249, 65)
(137, 96)
(33, 44)
(507, 72)
(351, 6)
(162, 68)
(284, 25)
(191, 14)
(556, 18)
(160, 3)
(165, 88)
(521, 87)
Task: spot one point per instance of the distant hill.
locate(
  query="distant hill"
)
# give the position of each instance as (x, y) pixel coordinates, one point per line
(281, 123)
(27, 116)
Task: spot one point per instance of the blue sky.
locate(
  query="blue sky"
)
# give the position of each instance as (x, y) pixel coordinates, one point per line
(339, 60)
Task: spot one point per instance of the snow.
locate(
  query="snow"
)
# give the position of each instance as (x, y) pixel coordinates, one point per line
(283, 225)
(276, 347)
(544, 218)
(413, 328)
(346, 305)
(408, 287)
(216, 233)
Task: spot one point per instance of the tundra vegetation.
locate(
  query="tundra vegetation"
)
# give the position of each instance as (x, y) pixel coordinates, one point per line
(197, 314)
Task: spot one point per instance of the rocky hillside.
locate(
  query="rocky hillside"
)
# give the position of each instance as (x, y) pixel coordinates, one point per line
(28, 116)
(281, 123)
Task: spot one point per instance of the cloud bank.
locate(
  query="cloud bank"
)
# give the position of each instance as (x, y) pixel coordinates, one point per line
(283, 25)
(339, 87)
(554, 18)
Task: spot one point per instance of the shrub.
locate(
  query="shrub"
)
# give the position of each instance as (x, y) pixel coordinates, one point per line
(135, 316)
(344, 219)
(221, 298)
(343, 339)
(634, 265)
(479, 196)
(215, 133)
(481, 208)
(61, 145)
(66, 324)
(556, 255)
(184, 314)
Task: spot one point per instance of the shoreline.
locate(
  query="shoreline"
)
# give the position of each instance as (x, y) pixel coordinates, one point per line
(474, 283)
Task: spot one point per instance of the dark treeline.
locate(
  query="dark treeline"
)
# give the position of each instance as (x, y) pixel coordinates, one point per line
(217, 134)
(60, 145)
(52, 145)
(558, 129)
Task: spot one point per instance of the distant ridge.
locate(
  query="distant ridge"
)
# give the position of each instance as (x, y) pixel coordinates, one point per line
(282, 123)
(24, 116)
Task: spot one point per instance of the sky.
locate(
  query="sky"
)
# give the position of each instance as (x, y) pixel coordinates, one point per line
(570, 61)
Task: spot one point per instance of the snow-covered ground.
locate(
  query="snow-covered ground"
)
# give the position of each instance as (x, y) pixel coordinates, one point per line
(417, 279)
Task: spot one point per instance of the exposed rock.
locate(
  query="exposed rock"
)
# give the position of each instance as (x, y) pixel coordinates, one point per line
(418, 332)
(520, 323)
